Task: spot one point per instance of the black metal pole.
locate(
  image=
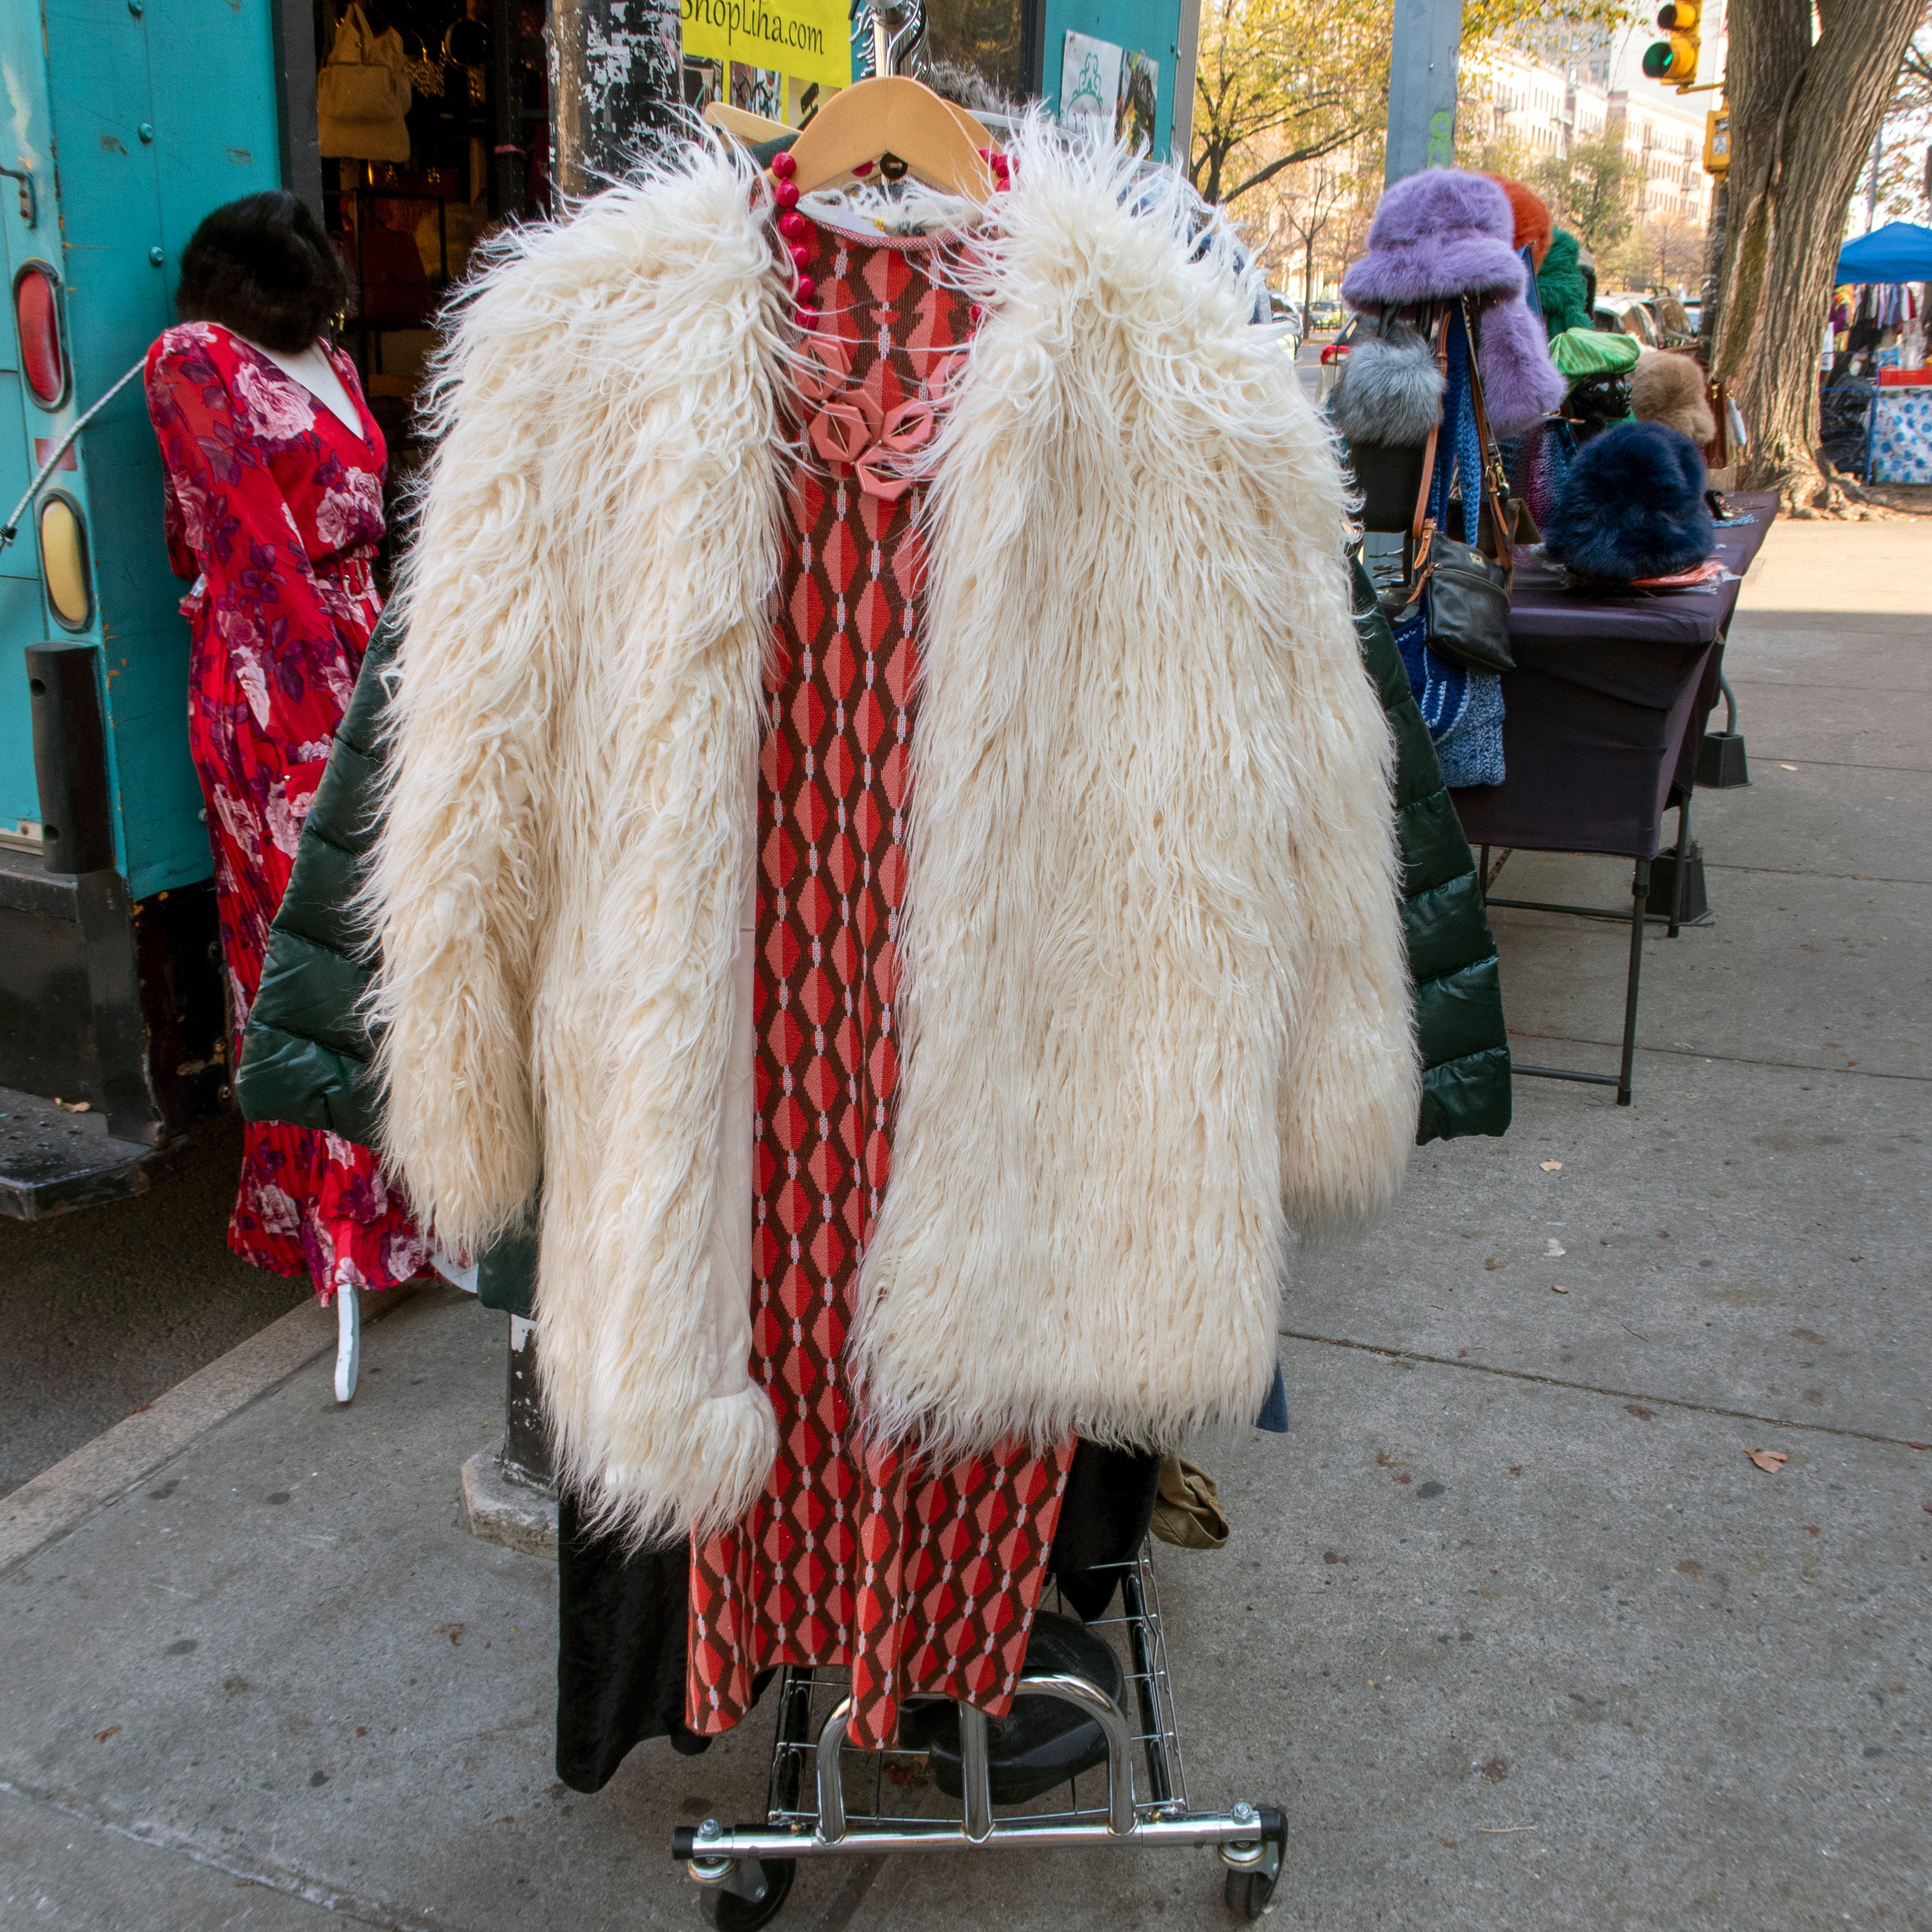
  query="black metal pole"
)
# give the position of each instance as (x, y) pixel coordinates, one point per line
(616, 85)
(525, 1457)
(509, 165)
(1711, 286)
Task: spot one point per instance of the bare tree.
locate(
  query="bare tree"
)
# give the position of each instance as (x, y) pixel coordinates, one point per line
(1804, 105)
(1666, 251)
(1308, 208)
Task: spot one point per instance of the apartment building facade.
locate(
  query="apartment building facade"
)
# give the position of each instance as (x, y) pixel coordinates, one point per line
(1551, 109)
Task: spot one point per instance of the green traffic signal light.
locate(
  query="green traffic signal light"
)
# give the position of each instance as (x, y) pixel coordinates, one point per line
(1674, 59)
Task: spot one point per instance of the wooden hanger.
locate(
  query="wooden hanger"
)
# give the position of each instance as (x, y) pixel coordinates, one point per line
(941, 144)
(747, 127)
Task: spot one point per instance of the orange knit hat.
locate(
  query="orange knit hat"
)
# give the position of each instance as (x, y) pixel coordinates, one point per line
(1533, 227)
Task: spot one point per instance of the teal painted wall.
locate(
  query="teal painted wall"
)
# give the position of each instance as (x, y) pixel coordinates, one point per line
(25, 134)
(152, 118)
(1141, 26)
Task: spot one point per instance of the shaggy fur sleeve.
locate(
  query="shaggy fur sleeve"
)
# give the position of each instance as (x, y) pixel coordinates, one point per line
(1152, 996)
(1353, 1085)
(565, 472)
(456, 890)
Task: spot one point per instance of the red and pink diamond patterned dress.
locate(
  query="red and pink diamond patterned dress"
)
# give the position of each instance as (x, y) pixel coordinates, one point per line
(922, 1579)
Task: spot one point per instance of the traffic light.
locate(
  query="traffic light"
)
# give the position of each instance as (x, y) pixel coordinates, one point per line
(1674, 59)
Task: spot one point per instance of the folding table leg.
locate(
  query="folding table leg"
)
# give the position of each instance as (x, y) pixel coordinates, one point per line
(1640, 900)
(1681, 870)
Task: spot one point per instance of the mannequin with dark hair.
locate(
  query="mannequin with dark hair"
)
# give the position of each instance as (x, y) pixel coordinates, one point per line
(273, 505)
(263, 267)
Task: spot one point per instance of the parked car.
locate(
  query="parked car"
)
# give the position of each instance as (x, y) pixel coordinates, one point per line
(1326, 313)
(1676, 326)
(1334, 356)
(1628, 315)
(1283, 311)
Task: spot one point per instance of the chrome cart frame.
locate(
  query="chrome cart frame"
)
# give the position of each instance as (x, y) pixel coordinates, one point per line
(747, 1871)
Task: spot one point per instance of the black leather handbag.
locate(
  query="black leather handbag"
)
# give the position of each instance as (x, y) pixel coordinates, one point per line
(1464, 590)
(1467, 601)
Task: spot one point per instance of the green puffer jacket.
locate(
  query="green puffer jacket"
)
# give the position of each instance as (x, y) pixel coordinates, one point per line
(305, 1055)
(1452, 956)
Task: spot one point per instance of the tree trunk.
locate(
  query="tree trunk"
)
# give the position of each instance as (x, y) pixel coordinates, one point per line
(1803, 115)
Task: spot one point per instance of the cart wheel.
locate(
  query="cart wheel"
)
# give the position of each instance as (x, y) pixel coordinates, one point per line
(731, 1913)
(1249, 1891)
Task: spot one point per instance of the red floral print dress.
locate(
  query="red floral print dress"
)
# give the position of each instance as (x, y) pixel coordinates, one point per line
(274, 507)
(922, 1579)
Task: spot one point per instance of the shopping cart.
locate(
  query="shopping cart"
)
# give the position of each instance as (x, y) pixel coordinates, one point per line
(746, 1871)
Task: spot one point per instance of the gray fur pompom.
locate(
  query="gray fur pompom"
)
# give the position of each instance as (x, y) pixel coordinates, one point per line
(1390, 390)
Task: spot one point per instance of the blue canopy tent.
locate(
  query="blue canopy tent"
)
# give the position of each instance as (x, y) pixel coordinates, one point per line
(1882, 431)
(1900, 251)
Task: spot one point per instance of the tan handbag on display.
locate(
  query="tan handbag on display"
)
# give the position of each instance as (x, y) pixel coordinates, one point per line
(362, 93)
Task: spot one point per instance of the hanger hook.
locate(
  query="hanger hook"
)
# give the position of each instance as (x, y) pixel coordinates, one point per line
(884, 32)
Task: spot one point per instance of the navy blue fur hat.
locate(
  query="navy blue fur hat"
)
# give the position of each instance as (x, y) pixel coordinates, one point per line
(1633, 506)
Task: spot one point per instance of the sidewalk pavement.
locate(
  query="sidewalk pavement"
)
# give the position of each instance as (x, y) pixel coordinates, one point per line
(1510, 1625)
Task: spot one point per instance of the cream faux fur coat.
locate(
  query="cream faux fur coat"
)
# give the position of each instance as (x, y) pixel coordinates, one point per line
(1154, 1005)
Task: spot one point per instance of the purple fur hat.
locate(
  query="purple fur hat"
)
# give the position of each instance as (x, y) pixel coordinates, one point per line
(1437, 235)
(1520, 384)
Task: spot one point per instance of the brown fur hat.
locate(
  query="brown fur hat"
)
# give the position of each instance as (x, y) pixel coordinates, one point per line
(1533, 227)
(1670, 389)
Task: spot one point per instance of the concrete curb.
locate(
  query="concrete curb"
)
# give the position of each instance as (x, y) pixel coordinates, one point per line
(58, 1498)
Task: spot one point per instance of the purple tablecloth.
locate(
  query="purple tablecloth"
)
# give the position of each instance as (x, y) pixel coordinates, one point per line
(1607, 707)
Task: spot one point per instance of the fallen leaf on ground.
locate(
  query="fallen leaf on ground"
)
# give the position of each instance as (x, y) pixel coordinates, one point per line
(453, 1631)
(101, 1737)
(1810, 1335)
(1787, 768)
(73, 1106)
(1552, 1167)
(1491, 1262)
(1637, 1409)
(1772, 1460)
(1555, 1289)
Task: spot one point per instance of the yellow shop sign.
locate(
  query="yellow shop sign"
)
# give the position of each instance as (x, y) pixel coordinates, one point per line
(810, 39)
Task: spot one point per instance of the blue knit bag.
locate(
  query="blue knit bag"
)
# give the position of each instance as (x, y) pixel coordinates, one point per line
(1462, 709)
